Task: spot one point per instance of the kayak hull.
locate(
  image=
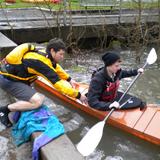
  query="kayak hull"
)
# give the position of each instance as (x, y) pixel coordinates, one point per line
(144, 124)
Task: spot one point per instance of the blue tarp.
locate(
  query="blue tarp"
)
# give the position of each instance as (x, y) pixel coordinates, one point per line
(42, 120)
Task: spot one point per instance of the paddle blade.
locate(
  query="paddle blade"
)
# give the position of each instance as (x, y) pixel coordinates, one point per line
(90, 141)
(152, 57)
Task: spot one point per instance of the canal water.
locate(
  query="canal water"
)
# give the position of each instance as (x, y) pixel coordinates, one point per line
(115, 144)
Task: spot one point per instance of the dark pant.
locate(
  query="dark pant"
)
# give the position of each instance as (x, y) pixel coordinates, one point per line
(19, 90)
(133, 102)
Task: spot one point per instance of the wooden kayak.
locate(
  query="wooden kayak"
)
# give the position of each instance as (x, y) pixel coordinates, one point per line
(144, 124)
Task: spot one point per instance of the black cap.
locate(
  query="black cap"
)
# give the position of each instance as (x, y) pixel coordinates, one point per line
(110, 58)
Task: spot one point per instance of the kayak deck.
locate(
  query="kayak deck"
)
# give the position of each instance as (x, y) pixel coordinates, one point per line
(144, 124)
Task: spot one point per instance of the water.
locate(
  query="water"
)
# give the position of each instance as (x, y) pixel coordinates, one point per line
(115, 144)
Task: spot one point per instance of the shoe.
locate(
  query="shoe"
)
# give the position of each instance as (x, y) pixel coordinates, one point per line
(4, 111)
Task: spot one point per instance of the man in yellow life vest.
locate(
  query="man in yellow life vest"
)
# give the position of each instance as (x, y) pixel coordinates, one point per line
(22, 66)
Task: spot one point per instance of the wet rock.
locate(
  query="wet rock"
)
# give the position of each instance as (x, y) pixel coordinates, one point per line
(3, 148)
(24, 152)
(2, 127)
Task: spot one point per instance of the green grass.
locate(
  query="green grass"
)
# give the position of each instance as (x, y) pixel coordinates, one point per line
(144, 5)
(75, 5)
(18, 4)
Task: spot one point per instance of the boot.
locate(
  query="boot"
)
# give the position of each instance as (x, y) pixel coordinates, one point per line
(4, 111)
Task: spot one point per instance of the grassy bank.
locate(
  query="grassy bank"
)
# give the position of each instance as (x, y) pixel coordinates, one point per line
(75, 5)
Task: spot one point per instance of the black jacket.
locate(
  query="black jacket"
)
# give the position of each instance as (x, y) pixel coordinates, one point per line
(97, 86)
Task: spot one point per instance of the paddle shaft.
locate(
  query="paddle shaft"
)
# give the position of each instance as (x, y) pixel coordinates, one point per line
(127, 90)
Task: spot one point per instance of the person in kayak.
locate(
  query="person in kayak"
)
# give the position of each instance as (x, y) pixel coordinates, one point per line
(21, 67)
(103, 91)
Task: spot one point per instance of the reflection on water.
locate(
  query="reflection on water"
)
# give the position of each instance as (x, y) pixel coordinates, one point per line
(115, 144)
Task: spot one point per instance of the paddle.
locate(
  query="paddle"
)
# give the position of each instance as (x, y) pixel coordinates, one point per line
(91, 140)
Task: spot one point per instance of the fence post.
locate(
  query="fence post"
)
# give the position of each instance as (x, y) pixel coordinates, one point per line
(120, 11)
(65, 12)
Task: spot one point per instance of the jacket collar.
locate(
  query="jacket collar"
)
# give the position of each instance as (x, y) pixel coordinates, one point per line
(108, 78)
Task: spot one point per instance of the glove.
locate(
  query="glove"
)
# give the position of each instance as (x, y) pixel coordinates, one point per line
(140, 70)
(115, 105)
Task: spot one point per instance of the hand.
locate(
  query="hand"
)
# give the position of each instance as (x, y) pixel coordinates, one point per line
(83, 99)
(115, 105)
(73, 83)
(140, 70)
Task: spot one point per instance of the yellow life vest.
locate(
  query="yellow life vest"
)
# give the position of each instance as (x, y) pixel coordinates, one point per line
(24, 63)
(16, 55)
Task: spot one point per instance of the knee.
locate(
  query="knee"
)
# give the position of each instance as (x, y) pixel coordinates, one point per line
(37, 100)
